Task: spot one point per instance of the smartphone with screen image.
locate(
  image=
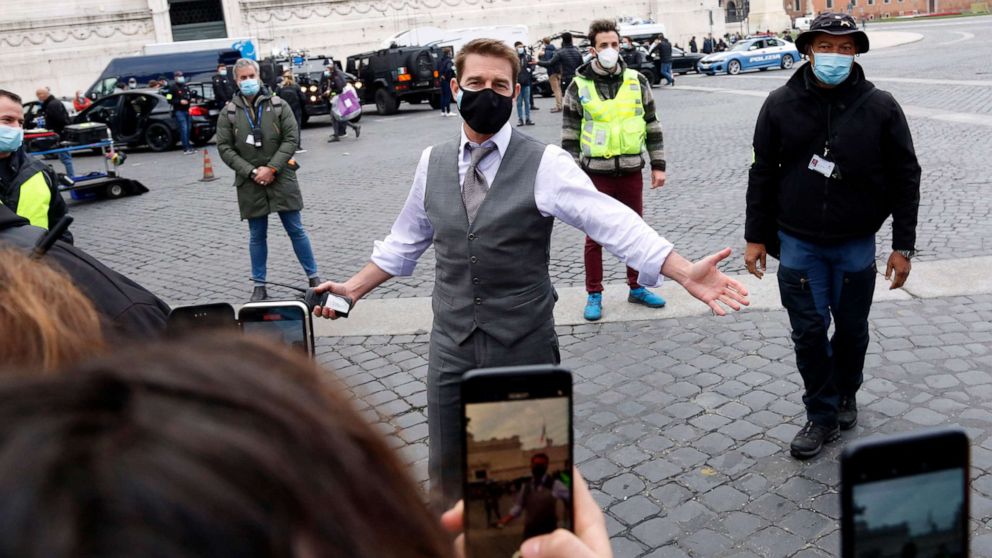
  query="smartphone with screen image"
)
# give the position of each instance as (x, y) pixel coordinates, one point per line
(517, 456)
(200, 317)
(286, 321)
(906, 496)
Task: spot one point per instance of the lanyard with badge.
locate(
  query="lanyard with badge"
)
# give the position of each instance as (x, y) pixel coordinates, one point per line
(824, 164)
(255, 136)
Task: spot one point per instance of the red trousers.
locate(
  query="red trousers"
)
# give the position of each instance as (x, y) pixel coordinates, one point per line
(628, 189)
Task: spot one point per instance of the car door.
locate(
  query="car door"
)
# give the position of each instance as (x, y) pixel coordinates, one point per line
(774, 52)
(755, 55)
(104, 111)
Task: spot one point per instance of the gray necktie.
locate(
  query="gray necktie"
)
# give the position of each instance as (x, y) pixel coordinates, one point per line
(475, 186)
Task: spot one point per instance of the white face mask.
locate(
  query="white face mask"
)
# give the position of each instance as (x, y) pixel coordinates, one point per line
(608, 58)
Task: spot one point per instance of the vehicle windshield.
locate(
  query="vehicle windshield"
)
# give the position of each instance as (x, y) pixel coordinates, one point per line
(742, 46)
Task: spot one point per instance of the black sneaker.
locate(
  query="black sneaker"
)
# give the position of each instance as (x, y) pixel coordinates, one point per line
(847, 413)
(809, 441)
(520, 122)
(259, 294)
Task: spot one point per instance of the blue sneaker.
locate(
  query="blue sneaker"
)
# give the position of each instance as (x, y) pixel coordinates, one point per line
(640, 295)
(594, 307)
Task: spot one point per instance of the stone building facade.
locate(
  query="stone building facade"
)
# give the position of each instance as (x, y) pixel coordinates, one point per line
(67, 44)
(875, 9)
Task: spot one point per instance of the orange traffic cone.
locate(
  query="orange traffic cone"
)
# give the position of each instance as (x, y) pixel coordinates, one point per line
(208, 168)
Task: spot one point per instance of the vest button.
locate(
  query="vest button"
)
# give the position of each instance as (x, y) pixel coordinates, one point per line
(474, 259)
(475, 281)
(478, 300)
(471, 236)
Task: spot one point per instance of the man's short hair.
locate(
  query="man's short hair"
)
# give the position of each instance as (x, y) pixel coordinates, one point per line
(245, 63)
(566, 39)
(10, 95)
(602, 26)
(487, 47)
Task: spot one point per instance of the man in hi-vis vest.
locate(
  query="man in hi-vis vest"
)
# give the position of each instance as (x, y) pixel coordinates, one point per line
(27, 185)
(486, 200)
(608, 119)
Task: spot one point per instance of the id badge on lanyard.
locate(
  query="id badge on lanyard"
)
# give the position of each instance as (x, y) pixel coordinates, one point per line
(823, 165)
(255, 136)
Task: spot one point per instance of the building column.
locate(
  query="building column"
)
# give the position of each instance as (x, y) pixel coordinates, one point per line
(161, 20)
(768, 15)
(232, 19)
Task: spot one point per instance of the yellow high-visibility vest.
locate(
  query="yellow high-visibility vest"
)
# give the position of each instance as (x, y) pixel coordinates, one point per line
(34, 200)
(612, 127)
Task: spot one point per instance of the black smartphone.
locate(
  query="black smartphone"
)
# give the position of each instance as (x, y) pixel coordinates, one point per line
(199, 317)
(517, 456)
(906, 495)
(287, 321)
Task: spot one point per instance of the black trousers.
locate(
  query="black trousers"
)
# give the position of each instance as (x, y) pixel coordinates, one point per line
(447, 363)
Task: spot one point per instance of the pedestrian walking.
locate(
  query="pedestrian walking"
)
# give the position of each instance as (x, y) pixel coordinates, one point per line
(524, 80)
(693, 47)
(568, 58)
(446, 72)
(27, 185)
(708, 44)
(493, 300)
(223, 86)
(332, 84)
(665, 59)
(256, 137)
(833, 159)
(290, 92)
(181, 98)
(608, 119)
(56, 119)
(554, 72)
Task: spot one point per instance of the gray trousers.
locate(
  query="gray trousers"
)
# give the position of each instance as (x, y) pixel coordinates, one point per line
(448, 362)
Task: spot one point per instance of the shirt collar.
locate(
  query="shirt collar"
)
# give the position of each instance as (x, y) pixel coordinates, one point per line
(501, 139)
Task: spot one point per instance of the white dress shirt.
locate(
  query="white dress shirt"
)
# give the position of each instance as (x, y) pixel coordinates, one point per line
(562, 190)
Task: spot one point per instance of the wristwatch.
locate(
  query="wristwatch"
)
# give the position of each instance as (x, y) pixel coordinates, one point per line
(908, 254)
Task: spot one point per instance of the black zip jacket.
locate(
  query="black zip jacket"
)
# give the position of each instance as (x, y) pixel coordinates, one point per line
(56, 116)
(568, 59)
(872, 147)
(131, 311)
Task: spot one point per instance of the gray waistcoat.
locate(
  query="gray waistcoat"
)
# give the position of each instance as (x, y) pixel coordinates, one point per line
(494, 275)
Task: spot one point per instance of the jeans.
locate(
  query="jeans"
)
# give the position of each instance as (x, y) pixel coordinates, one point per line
(445, 98)
(817, 281)
(66, 159)
(666, 73)
(259, 250)
(182, 118)
(628, 189)
(523, 103)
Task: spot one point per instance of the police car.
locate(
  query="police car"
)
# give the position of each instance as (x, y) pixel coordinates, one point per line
(749, 54)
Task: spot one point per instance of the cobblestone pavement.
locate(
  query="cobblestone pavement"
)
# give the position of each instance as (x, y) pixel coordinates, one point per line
(682, 426)
(192, 247)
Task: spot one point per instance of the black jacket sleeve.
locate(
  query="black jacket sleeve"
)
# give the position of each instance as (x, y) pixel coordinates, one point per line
(57, 208)
(903, 178)
(763, 179)
(56, 117)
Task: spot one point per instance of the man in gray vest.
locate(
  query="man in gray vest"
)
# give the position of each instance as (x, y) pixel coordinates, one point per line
(487, 201)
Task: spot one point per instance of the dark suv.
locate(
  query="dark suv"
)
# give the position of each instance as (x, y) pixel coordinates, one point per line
(386, 77)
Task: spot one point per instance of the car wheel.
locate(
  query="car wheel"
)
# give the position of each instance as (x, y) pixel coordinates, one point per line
(649, 75)
(115, 190)
(385, 102)
(733, 67)
(159, 137)
(787, 61)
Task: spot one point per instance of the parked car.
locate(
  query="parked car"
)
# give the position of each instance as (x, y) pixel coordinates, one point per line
(144, 117)
(759, 53)
(390, 75)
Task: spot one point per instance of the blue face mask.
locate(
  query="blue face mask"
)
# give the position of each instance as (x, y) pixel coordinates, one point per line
(10, 138)
(832, 69)
(180, 79)
(249, 87)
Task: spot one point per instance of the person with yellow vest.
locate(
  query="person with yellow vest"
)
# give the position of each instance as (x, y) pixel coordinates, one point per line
(27, 185)
(608, 121)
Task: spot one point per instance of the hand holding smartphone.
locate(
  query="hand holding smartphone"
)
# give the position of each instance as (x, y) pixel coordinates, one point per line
(906, 496)
(517, 440)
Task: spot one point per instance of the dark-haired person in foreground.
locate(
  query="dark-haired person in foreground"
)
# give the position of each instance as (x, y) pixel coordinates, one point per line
(493, 297)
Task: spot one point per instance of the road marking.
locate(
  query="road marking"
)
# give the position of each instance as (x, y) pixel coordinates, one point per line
(912, 110)
(964, 37)
(390, 119)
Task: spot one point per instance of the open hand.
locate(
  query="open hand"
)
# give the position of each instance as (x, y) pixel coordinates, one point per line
(707, 283)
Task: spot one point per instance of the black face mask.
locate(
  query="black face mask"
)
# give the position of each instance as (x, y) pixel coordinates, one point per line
(539, 471)
(485, 111)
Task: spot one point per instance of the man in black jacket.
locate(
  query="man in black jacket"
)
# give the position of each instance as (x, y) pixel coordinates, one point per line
(833, 159)
(129, 309)
(223, 87)
(182, 98)
(568, 58)
(56, 119)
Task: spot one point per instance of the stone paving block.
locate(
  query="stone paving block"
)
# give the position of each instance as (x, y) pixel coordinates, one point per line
(670, 496)
(740, 525)
(774, 541)
(635, 509)
(670, 551)
(687, 457)
(740, 430)
(806, 524)
(628, 456)
(707, 542)
(771, 507)
(623, 486)
(657, 532)
(760, 448)
(724, 499)
(658, 469)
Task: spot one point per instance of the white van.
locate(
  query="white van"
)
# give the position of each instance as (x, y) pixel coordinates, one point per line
(642, 32)
(802, 23)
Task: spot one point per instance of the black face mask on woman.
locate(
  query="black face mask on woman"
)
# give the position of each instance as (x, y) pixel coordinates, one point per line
(485, 111)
